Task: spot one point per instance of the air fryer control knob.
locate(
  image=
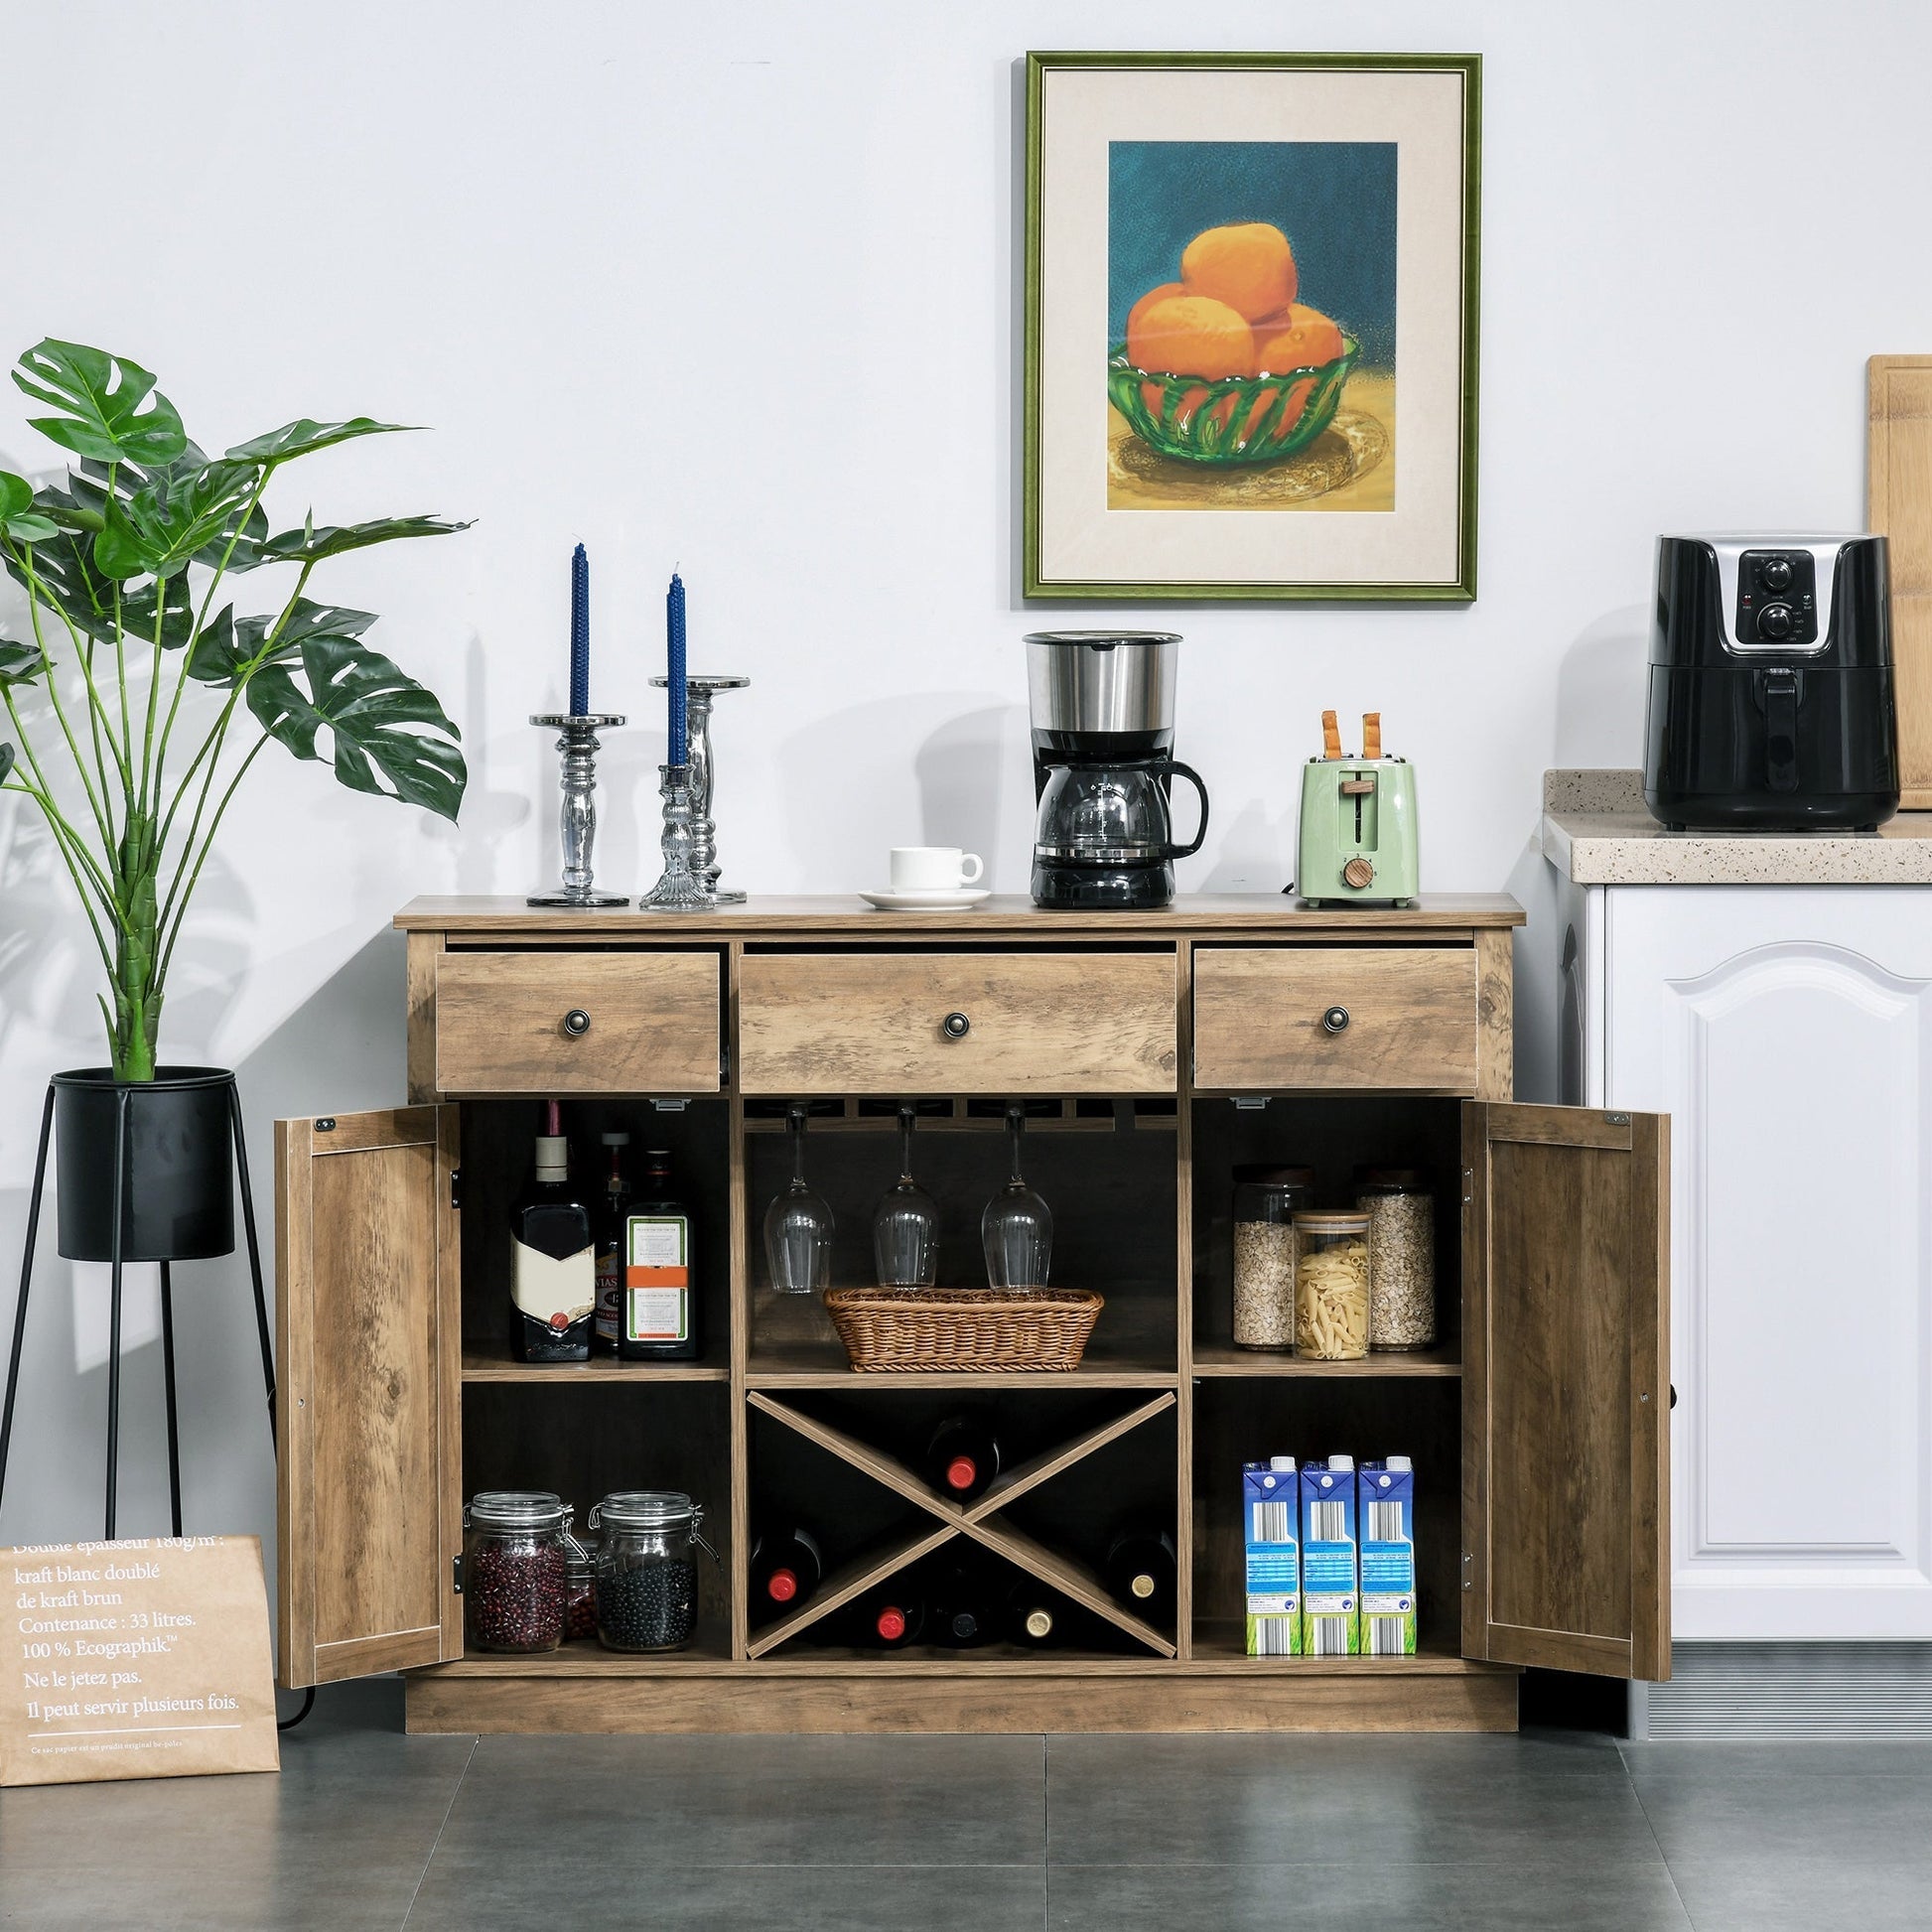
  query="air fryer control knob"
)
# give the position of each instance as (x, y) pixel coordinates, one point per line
(1774, 573)
(1776, 621)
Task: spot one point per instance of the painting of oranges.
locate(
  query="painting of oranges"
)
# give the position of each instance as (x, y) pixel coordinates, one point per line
(1250, 360)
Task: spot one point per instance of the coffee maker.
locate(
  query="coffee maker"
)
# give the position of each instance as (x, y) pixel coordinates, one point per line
(1102, 705)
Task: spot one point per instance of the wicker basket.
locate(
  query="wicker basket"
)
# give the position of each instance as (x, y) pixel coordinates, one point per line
(962, 1329)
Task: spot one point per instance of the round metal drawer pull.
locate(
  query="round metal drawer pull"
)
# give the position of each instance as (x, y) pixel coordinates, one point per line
(577, 1023)
(1335, 1020)
(955, 1025)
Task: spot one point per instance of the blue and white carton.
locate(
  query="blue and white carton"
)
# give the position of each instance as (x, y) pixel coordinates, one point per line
(1270, 1518)
(1331, 1619)
(1386, 1511)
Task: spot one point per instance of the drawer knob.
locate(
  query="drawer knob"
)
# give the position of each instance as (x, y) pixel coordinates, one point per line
(955, 1025)
(1335, 1020)
(577, 1023)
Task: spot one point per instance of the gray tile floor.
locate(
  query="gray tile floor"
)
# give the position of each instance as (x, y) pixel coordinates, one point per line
(369, 1827)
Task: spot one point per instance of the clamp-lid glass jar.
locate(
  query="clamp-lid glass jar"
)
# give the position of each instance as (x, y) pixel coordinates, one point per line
(1266, 1202)
(1331, 1286)
(580, 1589)
(516, 1552)
(646, 1574)
(1401, 1210)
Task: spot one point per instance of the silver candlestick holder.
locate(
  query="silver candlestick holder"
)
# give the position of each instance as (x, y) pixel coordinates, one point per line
(680, 888)
(699, 692)
(578, 818)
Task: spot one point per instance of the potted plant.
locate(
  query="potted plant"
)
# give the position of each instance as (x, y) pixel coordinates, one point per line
(139, 698)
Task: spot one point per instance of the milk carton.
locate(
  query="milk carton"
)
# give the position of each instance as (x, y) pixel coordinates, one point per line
(1330, 1626)
(1270, 1509)
(1386, 1513)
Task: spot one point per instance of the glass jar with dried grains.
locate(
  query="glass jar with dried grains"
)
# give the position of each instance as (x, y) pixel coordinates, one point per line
(1266, 1202)
(1401, 1210)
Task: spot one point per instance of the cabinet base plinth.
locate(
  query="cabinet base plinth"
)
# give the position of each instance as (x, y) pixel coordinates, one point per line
(748, 1701)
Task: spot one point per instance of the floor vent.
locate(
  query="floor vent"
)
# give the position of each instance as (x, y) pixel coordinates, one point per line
(1761, 1691)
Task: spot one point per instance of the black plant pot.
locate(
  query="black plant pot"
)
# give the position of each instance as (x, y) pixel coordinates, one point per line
(178, 1173)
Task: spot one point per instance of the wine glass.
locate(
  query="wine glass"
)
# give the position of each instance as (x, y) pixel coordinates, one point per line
(1017, 1229)
(906, 1225)
(798, 1224)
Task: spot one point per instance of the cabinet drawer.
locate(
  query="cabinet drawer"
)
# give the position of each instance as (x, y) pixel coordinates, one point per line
(503, 1023)
(1410, 1018)
(1034, 1022)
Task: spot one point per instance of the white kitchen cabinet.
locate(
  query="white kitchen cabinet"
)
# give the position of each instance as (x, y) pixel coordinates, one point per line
(1787, 1030)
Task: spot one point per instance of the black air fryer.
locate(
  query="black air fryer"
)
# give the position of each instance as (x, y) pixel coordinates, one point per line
(1771, 703)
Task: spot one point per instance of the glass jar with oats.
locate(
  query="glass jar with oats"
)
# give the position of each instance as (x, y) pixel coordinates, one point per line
(1401, 1210)
(1331, 1286)
(1266, 1202)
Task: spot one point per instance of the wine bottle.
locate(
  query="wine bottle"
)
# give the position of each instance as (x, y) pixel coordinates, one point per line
(963, 1608)
(1141, 1572)
(611, 1210)
(1032, 1617)
(786, 1568)
(891, 1617)
(963, 1457)
(553, 1264)
(659, 1305)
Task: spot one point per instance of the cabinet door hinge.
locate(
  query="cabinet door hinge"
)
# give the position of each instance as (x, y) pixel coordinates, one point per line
(1468, 1570)
(455, 1188)
(456, 1573)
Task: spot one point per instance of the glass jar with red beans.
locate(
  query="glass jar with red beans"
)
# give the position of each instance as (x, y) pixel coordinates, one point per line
(515, 1568)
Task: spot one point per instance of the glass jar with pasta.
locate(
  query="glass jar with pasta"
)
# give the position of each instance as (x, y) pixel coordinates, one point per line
(1331, 1286)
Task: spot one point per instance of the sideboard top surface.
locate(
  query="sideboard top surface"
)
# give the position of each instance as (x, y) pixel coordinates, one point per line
(1003, 916)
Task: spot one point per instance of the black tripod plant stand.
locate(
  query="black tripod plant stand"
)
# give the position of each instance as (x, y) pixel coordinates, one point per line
(145, 1175)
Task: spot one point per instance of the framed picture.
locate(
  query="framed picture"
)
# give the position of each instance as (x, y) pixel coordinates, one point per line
(1251, 326)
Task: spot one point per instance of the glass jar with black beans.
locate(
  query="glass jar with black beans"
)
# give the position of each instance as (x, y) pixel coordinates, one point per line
(646, 1570)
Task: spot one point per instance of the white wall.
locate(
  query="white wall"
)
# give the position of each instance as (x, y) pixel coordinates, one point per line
(693, 284)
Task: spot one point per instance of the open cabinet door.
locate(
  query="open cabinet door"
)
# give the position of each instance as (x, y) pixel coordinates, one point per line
(1565, 1366)
(368, 1353)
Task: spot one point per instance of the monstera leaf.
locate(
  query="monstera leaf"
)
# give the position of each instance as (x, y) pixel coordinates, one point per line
(64, 567)
(18, 518)
(19, 663)
(164, 526)
(301, 438)
(99, 396)
(225, 649)
(385, 724)
(309, 545)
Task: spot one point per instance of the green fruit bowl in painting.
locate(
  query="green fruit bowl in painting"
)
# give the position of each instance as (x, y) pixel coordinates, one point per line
(1235, 418)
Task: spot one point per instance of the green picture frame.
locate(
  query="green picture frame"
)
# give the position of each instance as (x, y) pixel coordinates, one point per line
(1052, 571)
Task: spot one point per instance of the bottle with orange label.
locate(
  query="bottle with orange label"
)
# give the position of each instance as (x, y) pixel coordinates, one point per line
(658, 1311)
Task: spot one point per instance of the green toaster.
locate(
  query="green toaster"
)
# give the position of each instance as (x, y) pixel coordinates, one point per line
(1358, 824)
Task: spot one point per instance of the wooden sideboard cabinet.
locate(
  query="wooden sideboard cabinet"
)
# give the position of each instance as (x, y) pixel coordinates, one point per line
(1155, 1053)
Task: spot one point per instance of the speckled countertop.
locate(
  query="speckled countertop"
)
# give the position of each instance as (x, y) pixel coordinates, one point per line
(1597, 832)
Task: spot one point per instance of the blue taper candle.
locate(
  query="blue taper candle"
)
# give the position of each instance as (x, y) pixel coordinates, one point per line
(674, 668)
(580, 634)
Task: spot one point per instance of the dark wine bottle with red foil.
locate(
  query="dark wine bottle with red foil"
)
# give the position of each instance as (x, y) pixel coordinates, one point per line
(1140, 1573)
(553, 1263)
(891, 1617)
(786, 1568)
(962, 1458)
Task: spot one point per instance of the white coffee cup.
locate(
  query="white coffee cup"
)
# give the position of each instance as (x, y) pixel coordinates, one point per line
(935, 868)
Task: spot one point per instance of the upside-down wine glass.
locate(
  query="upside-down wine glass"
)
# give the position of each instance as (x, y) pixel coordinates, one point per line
(1018, 1226)
(798, 1224)
(906, 1225)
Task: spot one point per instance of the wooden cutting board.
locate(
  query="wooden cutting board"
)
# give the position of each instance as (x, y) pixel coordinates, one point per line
(1898, 504)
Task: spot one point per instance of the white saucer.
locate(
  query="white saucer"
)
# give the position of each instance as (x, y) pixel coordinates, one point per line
(959, 901)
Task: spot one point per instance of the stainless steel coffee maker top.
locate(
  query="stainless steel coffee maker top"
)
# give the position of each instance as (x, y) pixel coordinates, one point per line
(1101, 680)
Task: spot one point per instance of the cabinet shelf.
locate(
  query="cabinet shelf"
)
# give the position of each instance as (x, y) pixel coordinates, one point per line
(1223, 1646)
(823, 1365)
(487, 1361)
(1223, 1358)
